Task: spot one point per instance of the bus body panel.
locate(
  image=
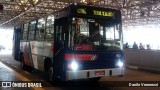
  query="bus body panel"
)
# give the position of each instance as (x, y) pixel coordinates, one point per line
(35, 52)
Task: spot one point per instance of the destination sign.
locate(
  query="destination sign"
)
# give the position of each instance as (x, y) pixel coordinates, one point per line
(81, 10)
(103, 13)
(95, 12)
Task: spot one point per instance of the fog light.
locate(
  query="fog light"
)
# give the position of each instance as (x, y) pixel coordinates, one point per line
(120, 64)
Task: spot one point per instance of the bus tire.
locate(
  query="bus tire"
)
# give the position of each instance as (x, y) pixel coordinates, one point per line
(95, 79)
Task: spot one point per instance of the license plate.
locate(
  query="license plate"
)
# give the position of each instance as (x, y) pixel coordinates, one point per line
(99, 73)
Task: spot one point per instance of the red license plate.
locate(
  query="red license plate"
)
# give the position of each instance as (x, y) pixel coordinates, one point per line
(99, 73)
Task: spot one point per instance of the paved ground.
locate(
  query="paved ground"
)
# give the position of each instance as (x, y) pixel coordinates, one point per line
(10, 71)
(6, 76)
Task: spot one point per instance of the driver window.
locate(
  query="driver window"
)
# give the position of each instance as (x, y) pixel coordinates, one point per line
(94, 31)
(80, 34)
(109, 33)
(112, 33)
(82, 31)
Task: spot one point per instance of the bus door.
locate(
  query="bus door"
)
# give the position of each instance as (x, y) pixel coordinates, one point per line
(60, 27)
(16, 43)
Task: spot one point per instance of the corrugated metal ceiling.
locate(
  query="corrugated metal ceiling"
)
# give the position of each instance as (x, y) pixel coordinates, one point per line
(135, 12)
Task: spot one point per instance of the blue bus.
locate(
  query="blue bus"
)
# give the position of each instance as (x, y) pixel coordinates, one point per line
(77, 42)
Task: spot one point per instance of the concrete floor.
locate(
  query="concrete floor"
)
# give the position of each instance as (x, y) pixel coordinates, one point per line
(10, 71)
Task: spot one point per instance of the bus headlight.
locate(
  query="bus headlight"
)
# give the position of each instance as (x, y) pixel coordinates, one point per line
(74, 66)
(119, 63)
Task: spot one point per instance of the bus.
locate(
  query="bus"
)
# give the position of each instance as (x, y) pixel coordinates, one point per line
(77, 42)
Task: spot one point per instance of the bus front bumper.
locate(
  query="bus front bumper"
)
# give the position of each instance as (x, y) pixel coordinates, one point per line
(82, 74)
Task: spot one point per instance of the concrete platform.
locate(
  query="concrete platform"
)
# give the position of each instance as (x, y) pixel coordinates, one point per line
(12, 77)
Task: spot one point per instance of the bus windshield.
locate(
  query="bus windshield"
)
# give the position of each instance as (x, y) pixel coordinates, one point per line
(94, 35)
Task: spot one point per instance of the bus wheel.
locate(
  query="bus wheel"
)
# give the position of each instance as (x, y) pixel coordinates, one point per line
(95, 79)
(50, 73)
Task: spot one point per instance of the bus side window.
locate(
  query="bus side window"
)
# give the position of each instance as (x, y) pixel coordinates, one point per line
(41, 33)
(31, 35)
(49, 33)
(25, 31)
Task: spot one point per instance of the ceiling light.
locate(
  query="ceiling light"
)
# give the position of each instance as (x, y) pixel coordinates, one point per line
(35, 1)
(24, 1)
